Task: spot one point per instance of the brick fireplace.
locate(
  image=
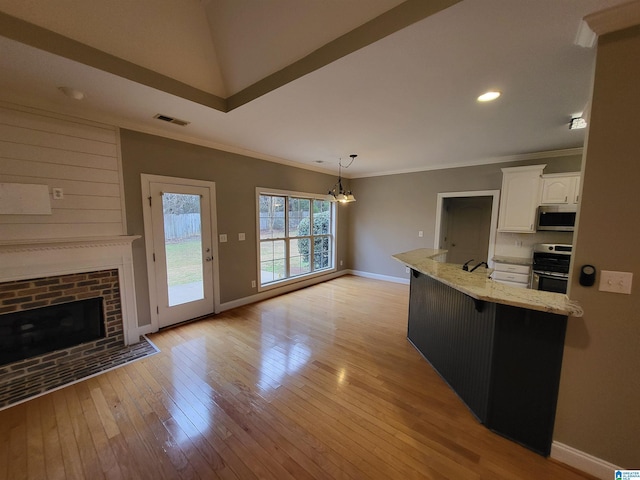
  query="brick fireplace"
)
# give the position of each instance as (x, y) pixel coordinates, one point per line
(22, 298)
(35, 274)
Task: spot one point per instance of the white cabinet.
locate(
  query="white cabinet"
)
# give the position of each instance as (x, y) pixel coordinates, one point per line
(511, 268)
(516, 275)
(520, 197)
(560, 188)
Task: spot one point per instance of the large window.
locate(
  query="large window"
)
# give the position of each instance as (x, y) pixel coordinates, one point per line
(296, 235)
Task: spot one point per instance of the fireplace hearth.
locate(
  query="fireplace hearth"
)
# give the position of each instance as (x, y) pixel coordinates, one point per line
(21, 297)
(54, 272)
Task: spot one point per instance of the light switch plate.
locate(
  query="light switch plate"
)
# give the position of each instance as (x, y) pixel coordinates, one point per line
(616, 282)
(241, 237)
(223, 237)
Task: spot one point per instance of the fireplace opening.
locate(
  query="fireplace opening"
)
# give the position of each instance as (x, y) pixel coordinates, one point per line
(29, 333)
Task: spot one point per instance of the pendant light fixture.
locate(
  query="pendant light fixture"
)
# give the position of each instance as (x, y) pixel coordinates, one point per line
(337, 192)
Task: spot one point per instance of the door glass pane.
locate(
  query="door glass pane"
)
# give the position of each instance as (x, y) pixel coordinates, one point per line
(183, 247)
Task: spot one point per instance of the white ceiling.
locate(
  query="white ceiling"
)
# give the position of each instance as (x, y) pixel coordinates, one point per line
(403, 103)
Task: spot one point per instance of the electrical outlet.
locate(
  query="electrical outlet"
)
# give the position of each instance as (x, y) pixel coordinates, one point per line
(616, 282)
(223, 237)
(406, 270)
(253, 284)
(241, 237)
(420, 233)
(58, 193)
(341, 262)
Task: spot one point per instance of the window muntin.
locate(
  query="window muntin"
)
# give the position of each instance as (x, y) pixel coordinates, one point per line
(296, 236)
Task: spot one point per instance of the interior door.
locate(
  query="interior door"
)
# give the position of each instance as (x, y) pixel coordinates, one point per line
(467, 229)
(182, 252)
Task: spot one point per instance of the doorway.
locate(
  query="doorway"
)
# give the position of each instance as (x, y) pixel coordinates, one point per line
(182, 265)
(466, 224)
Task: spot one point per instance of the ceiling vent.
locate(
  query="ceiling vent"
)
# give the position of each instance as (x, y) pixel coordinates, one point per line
(166, 118)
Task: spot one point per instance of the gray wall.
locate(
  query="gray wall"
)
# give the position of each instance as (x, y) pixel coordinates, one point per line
(236, 178)
(599, 402)
(392, 209)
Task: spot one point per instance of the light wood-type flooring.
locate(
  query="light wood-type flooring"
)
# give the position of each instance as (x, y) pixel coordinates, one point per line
(316, 384)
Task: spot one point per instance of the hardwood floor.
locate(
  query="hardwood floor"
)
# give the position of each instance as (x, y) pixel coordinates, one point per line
(320, 383)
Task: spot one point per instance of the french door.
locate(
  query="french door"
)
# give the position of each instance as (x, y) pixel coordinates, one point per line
(182, 253)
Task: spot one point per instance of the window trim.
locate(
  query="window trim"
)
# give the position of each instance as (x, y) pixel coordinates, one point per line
(334, 234)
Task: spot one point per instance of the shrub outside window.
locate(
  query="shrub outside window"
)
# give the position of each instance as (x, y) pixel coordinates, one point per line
(296, 236)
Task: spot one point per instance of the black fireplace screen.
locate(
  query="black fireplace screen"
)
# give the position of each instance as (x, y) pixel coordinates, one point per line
(29, 333)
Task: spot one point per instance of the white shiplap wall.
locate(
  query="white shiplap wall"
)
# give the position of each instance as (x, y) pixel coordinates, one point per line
(82, 158)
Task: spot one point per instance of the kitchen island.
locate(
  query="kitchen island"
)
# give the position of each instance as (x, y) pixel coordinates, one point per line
(498, 347)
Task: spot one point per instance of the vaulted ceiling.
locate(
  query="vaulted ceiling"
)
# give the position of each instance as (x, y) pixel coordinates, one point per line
(306, 82)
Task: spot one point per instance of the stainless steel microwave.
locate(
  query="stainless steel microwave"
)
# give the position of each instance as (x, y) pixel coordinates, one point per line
(558, 218)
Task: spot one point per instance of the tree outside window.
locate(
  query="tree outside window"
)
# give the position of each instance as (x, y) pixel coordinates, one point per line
(296, 236)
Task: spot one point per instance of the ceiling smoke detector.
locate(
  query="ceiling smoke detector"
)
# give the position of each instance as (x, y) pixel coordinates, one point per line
(168, 119)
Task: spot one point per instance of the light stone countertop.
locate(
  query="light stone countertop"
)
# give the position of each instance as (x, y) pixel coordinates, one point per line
(478, 286)
(513, 260)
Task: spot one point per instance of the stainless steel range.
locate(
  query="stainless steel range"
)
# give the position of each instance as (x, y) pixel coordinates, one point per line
(550, 270)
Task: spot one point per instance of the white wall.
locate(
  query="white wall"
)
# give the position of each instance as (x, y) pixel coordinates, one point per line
(521, 244)
(80, 157)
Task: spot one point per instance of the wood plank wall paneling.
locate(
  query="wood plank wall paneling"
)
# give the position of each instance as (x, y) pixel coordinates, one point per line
(80, 157)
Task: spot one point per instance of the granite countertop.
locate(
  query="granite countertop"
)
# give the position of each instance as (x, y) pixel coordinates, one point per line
(513, 260)
(479, 286)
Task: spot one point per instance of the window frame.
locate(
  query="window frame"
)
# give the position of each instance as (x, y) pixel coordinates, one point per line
(287, 239)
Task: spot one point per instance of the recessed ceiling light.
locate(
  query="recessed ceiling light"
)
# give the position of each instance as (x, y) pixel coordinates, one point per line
(72, 93)
(489, 96)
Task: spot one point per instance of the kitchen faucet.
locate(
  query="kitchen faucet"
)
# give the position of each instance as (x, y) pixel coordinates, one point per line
(481, 263)
(465, 267)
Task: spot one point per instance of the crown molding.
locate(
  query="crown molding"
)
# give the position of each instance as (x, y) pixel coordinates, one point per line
(585, 37)
(567, 152)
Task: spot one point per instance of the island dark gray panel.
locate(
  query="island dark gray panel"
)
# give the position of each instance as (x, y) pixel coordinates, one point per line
(503, 361)
(454, 337)
(525, 378)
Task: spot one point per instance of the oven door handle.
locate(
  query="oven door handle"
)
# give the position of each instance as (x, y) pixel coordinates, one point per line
(551, 274)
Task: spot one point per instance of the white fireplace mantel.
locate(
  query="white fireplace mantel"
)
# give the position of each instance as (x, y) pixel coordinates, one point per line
(63, 243)
(27, 259)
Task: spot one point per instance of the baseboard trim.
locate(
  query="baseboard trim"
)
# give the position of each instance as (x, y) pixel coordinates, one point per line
(240, 302)
(142, 331)
(583, 461)
(377, 276)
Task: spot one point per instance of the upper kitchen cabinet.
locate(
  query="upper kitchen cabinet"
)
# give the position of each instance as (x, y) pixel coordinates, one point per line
(520, 194)
(560, 188)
